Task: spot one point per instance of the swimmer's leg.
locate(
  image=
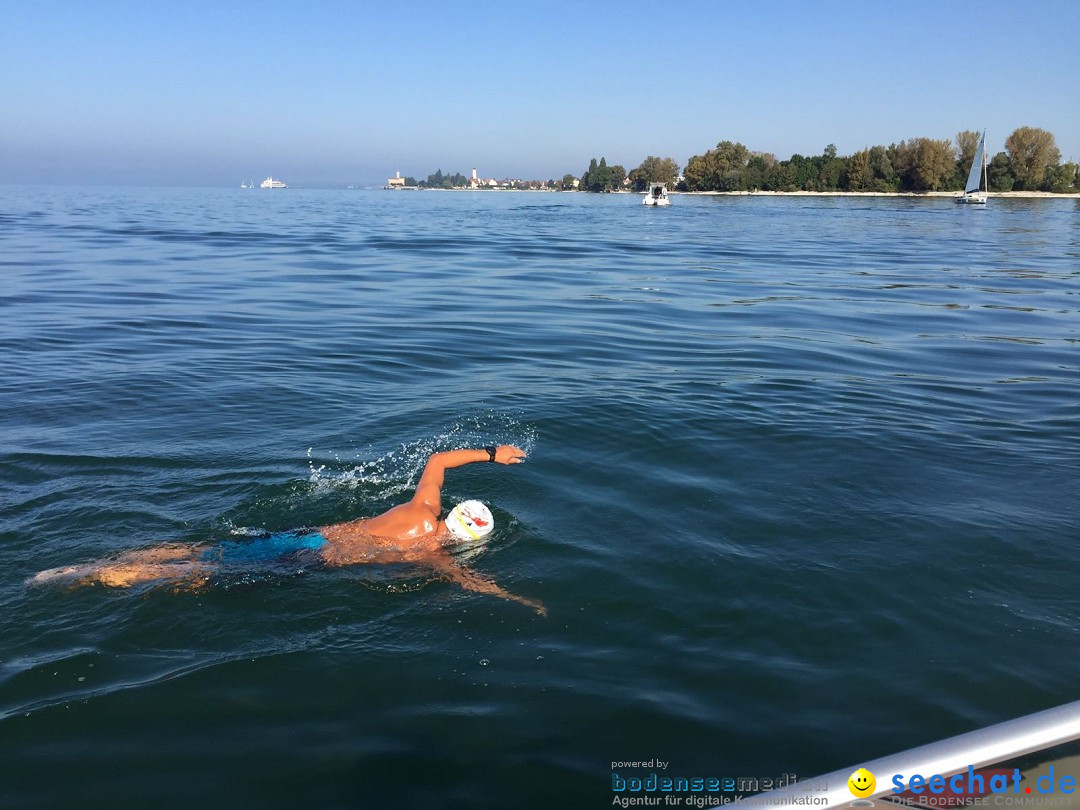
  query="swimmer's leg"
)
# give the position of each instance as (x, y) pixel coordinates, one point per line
(174, 562)
(124, 575)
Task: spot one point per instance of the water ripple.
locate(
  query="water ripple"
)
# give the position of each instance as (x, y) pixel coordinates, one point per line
(757, 428)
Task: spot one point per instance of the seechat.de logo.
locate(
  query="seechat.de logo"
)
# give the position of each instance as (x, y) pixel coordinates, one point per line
(979, 783)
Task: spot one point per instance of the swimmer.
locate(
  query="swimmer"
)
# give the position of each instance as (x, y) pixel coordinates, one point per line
(412, 532)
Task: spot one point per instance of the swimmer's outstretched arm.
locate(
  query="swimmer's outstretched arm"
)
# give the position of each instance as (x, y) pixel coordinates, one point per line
(472, 581)
(429, 489)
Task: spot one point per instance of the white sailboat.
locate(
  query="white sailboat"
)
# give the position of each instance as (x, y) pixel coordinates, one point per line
(976, 177)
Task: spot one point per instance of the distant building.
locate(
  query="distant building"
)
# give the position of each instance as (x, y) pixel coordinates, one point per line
(397, 181)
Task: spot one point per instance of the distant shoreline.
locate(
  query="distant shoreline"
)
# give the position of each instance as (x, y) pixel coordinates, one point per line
(1031, 195)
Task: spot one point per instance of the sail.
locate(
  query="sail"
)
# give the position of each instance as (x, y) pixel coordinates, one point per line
(975, 175)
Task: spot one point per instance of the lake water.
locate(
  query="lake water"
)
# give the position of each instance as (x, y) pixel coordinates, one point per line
(801, 489)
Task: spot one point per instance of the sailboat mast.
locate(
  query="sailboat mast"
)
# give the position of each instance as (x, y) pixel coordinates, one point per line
(986, 181)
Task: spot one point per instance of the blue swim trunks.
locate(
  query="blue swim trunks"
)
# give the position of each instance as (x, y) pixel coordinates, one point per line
(264, 549)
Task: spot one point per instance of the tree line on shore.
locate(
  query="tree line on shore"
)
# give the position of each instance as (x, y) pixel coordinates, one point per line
(458, 180)
(1031, 162)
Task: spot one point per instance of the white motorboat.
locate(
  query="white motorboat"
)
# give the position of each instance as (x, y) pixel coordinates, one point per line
(270, 182)
(656, 195)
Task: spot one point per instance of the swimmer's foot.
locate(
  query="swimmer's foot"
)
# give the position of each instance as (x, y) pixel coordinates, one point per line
(56, 576)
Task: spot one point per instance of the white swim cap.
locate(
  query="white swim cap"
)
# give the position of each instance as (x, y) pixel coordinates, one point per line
(470, 520)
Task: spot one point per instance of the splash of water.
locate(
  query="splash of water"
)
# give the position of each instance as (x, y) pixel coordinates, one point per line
(396, 471)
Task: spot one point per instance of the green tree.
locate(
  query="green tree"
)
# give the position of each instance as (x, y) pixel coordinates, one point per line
(583, 181)
(870, 170)
(567, 182)
(440, 180)
(600, 177)
(696, 173)
(805, 173)
(999, 174)
(719, 169)
(935, 163)
(923, 163)
(885, 175)
(731, 162)
(830, 169)
(1060, 178)
(780, 176)
(758, 169)
(1031, 152)
(655, 170)
(860, 174)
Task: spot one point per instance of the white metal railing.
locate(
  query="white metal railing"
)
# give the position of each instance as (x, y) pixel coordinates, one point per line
(986, 746)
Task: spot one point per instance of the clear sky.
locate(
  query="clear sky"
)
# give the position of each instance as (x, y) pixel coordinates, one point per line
(321, 91)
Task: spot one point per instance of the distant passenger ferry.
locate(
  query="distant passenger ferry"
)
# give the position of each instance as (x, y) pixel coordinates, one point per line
(270, 182)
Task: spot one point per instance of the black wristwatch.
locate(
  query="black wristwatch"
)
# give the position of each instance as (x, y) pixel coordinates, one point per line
(491, 453)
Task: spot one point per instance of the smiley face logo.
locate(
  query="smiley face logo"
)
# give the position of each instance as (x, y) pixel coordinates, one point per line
(861, 783)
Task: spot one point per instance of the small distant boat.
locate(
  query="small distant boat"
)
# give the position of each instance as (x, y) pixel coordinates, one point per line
(656, 195)
(976, 177)
(270, 182)
(248, 184)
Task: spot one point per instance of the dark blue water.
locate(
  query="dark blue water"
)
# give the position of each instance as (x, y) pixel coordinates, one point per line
(802, 487)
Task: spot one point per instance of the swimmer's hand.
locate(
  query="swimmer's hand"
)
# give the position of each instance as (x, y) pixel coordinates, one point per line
(471, 581)
(535, 604)
(508, 454)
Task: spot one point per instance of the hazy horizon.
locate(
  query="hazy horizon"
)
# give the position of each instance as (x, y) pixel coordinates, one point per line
(339, 93)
